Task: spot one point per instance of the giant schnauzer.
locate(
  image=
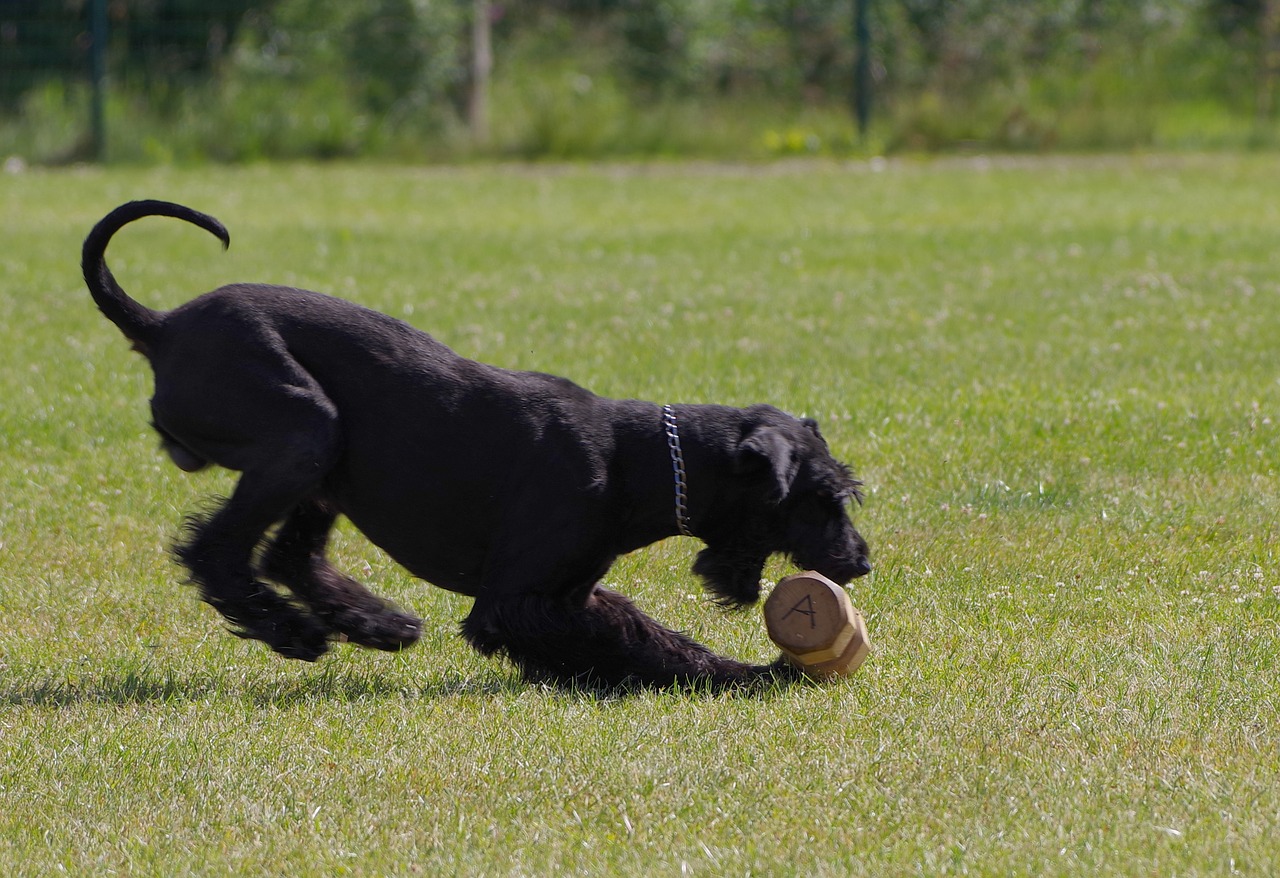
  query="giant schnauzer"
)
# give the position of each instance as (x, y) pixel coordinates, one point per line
(519, 489)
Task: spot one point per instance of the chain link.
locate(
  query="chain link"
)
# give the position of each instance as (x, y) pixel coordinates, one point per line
(677, 466)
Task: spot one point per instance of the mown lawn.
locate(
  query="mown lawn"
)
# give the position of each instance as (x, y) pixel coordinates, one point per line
(1058, 378)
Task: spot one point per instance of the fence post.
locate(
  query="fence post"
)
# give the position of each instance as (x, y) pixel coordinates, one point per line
(481, 69)
(98, 76)
(862, 67)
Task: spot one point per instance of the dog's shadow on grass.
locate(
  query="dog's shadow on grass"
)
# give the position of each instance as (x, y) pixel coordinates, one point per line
(154, 686)
(335, 685)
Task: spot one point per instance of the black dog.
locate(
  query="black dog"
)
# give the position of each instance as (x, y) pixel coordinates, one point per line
(517, 488)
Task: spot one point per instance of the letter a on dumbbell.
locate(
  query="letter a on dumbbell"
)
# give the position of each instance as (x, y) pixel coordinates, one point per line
(807, 602)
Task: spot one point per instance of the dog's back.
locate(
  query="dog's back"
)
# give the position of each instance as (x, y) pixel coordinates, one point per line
(421, 448)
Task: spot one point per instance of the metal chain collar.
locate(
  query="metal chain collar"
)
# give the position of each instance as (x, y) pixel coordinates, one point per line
(677, 466)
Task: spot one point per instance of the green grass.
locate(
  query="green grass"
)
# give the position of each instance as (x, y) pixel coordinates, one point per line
(1057, 377)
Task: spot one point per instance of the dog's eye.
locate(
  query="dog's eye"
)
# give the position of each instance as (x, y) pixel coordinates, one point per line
(820, 508)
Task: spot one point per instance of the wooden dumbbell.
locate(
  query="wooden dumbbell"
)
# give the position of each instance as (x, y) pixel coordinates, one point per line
(812, 620)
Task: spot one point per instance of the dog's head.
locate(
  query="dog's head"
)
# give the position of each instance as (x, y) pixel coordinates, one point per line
(785, 494)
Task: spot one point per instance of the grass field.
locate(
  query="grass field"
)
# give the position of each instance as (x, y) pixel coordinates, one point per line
(1058, 378)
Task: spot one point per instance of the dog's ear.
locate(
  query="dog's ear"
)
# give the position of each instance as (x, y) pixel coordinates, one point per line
(812, 426)
(768, 448)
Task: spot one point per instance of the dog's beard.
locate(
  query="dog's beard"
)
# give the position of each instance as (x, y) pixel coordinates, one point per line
(731, 573)
(838, 552)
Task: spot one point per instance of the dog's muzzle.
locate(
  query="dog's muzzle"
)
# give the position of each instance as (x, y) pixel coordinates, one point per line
(843, 573)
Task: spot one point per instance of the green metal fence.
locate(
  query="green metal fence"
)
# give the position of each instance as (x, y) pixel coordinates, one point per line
(71, 68)
(232, 80)
(59, 59)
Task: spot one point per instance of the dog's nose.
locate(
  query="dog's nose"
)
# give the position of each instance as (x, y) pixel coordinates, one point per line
(861, 567)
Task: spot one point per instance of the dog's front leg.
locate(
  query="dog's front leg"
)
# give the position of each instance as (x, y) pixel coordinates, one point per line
(607, 641)
(731, 574)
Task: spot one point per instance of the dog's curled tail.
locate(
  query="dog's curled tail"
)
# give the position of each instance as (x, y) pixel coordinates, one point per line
(135, 320)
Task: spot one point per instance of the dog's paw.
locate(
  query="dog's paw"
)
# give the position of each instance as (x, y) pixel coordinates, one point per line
(304, 647)
(783, 670)
(293, 635)
(389, 630)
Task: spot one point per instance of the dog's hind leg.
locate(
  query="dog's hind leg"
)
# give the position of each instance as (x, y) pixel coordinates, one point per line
(606, 642)
(296, 558)
(217, 553)
(281, 432)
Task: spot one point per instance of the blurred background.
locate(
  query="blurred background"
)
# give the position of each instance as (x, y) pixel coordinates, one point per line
(188, 81)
